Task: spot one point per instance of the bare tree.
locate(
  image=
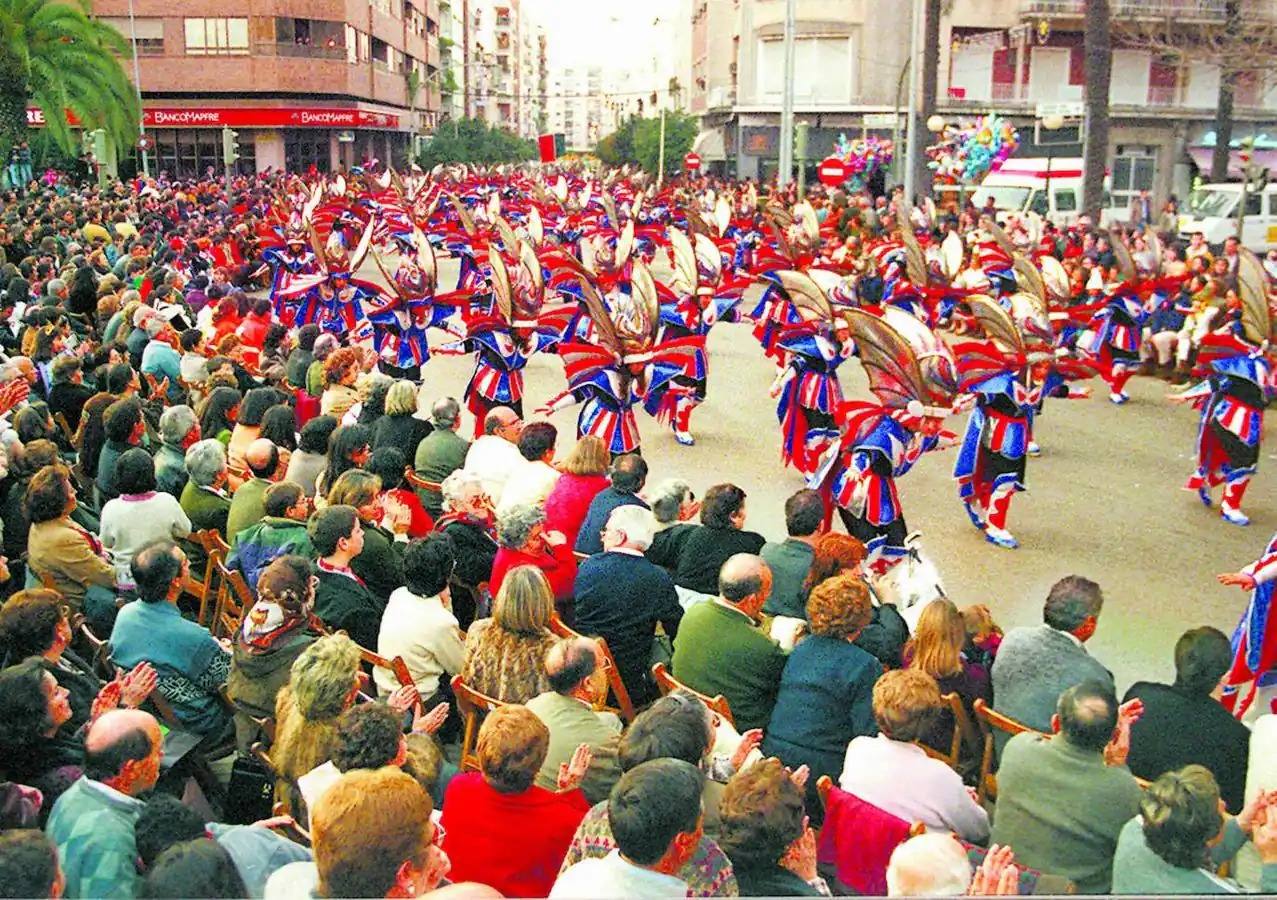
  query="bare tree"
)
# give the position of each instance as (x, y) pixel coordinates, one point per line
(930, 75)
(1097, 47)
(1240, 43)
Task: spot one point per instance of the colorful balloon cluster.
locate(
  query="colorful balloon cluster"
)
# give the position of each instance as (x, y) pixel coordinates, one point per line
(863, 158)
(970, 150)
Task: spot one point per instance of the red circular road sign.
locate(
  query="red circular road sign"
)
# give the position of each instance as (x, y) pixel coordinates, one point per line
(832, 172)
(691, 162)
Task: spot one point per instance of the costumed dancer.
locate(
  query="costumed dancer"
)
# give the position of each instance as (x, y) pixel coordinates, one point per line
(331, 297)
(1255, 639)
(700, 296)
(286, 262)
(991, 462)
(807, 387)
(1114, 336)
(609, 377)
(796, 237)
(1239, 384)
(913, 379)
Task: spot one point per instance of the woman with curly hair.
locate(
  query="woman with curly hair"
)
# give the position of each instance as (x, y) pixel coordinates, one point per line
(505, 655)
(341, 371)
(766, 834)
(885, 635)
(826, 689)
(35, 750)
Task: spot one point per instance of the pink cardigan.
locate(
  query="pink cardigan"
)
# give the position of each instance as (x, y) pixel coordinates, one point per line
(569, 501)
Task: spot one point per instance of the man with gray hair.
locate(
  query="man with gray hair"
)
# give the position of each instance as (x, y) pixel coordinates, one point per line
(441, 452)
(574, 668)
(179, 429)
(56, 293)
(204, 499)
(1036, 663)
(495, 454)
(936, 865)
(674, 507)
(720, 649)
(620, 596)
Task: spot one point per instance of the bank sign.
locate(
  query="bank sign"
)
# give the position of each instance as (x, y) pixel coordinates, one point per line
(249, 117)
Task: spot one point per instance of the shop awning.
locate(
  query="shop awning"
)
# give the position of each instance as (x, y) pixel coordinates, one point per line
(709, 146)
(1202, 156)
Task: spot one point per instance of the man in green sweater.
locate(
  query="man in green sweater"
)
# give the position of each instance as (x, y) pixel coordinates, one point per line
(1063, 799)
(92, 823)
(248, 505)
(720, 648)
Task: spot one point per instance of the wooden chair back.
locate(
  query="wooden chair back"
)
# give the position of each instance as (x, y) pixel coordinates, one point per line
(68, 432)
(862, 866)
(667, 683)
(99, 651)
(990, 720)
(472, 705)
(233, 600)
(215, 548)
(963, 731)
(624, 706)
(394, 665)
(421, 484)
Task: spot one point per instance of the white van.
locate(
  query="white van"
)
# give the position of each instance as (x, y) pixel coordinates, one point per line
(1211, 211)
(1021, 186)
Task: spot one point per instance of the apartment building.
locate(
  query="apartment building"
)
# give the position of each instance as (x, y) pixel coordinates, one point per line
(452, 59)
(321, 83)
(505, 61)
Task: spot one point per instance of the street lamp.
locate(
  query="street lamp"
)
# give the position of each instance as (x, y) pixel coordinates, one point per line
(1051, 122)
(935, 124)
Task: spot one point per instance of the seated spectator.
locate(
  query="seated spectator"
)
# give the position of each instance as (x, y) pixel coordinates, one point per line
(92, 823)
(281, 531)
(196, 868)
(505, 655)
(192, 665)
(495, 454)
(255, 852)
(418, 624)
(894, 774)
(275, 631)
(93, 432)
(935, 864)
(1183, 723)
(399, 427)
(139, 515)
(194, 364)
(678, 726)
(627, 474)
(380, 563)
(204, 499)
(531, 483)
(124, 428)
(349, 447)
(584, 476)
(719, 537)
(248, 502)
(885, 635)
(323, 683)
(655, 815)
(302, 355)
(372, 836)
(160, 358)
(342, 600)
(441, 452)
(39, 750)
(1064, 799)
(1182, 836)
(826, 688)
(766, 835)
(69, 392)
(673, 506)
(469, 521)
(340, 372)
(791, 560)
(325, 346)
(523, 541)
(219, 411)
(720, 650)
(389, 467)
(29, 865)
(578, 682)
(621, 597)
(501, 829)
(311, 456)
(936, 648)
(1035, 664)
(179, 430)
(279, 426)
(61, 550)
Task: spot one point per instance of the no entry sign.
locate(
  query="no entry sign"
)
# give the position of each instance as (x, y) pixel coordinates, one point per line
(832, 172)
(691, 162)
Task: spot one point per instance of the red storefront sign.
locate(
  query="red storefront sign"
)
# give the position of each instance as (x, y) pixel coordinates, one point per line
(249, 117)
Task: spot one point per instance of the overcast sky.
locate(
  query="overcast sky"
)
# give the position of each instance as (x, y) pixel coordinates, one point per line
(594, 32)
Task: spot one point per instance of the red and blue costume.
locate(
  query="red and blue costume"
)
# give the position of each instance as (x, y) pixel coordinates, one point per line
(1255, 639)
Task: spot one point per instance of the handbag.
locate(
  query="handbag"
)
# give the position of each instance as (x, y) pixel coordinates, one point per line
(251, 793)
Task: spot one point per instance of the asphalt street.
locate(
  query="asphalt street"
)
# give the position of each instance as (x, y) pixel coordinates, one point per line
(1104, 498)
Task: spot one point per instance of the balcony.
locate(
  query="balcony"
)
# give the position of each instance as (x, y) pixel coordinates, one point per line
(1195, 11)
(292, 50)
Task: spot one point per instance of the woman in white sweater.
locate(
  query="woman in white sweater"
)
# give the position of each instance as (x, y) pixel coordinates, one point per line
(140, 514)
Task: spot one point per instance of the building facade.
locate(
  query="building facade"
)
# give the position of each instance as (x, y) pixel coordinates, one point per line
(452, 60)
(505, 61)
(323, 83)
(1003, 56)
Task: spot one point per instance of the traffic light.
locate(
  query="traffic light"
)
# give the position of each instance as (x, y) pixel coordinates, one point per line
(230, 145)
(800, 140)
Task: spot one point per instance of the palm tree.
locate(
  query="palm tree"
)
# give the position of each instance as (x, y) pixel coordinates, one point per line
(54, 56)
(1097, 45)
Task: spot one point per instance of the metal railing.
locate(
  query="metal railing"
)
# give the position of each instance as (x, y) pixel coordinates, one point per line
(293, 50)
(1195, 10)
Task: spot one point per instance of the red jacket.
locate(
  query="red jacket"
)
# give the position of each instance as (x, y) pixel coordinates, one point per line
(558, 564)
(512, 842)
(253, 329)
(569, 501)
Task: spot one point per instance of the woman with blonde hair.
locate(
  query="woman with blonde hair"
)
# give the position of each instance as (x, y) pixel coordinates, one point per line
(399, 427)
(505, 655)
(885, 635)
(936, 648)
(584, 476)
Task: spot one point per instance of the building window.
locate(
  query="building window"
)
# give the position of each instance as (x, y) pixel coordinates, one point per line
(305, 147)
(822, 70)
(217, 37)
(149, 33)
(1132, 173)
(191, 152)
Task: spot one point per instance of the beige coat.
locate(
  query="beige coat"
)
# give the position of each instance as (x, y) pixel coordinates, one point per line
(67, 553)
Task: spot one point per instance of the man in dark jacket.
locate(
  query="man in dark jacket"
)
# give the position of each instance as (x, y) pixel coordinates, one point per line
(69, 393)
(628, 475)
(342, 601)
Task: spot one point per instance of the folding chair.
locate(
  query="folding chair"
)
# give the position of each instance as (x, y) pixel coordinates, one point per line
(99, 651)
(471, 704)
(667, 683)
(394, 665)
(963, 730)
(991, 720)
(624, 706)
(233, 600)
(214, 549)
